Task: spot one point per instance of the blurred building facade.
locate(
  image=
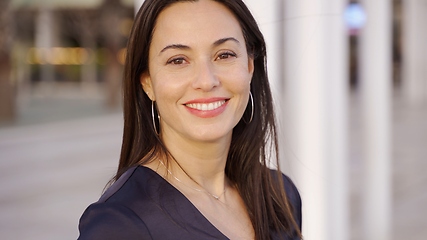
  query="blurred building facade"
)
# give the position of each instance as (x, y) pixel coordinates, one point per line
(53, 43)
(315, 62)
(307, 44)
(74, 41)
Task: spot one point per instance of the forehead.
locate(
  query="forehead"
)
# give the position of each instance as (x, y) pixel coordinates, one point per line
(188, 22)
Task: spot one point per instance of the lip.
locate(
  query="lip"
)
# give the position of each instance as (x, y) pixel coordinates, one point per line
(207, 113)
(207, 100)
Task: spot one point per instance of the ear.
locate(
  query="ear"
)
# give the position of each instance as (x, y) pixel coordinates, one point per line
(147, 85)
(251, 66)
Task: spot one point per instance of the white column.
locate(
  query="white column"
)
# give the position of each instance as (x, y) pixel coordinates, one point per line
(375, 65)
(415, 50)
(45, 39)
(316, 96)
(137, 5)
(268, 15)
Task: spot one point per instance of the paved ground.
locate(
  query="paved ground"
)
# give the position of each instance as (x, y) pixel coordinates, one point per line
(54, 161)
(58, 156)
(409, 168)
(410, 171)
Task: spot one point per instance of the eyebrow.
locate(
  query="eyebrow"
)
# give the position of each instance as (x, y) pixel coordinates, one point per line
(175, 46)
(185, 47)
(223, 40)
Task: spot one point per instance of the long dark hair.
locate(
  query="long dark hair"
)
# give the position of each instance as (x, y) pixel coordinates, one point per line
(246, 166)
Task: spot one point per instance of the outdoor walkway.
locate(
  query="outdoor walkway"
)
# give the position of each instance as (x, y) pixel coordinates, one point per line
(54, 161)
(409, 168)
(52, 168)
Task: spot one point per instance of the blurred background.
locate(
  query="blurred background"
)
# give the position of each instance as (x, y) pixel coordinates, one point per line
(350, 87)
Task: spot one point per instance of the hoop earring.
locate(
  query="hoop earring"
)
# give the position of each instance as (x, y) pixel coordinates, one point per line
(252, 109)
(152, 116)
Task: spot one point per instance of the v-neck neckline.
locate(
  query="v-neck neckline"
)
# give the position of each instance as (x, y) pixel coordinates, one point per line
(179, 194)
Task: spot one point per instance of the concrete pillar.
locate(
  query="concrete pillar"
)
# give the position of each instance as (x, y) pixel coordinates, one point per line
(269, 14)
(137, 5)
(376, 81)
(89, 69)
(415, 50)
(44, 39)
(316, 96)
(7, 84)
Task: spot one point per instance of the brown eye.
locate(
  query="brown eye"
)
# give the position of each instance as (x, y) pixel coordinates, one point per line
(176, 61)
(226, 55)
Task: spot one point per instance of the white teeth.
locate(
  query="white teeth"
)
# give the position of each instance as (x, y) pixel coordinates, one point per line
(206, 106)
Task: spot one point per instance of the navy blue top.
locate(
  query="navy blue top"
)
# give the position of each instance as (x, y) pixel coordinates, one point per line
(143, 205)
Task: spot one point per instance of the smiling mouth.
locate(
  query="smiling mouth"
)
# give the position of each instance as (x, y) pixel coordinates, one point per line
(206, 106)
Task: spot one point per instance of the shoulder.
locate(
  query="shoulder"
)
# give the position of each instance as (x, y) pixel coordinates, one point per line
(111, 221)
(291, 191)
(136, 184)
(114, 215)
(292, 194)
(290, 188)
(128, 176)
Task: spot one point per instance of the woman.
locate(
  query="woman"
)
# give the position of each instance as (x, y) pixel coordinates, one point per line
(198, 126)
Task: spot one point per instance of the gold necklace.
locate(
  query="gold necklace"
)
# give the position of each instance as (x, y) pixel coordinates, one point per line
(216, 197)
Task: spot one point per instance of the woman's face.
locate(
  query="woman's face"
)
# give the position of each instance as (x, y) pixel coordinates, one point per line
(199, 71)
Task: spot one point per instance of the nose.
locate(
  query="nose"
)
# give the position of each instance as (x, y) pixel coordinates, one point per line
(205, 77)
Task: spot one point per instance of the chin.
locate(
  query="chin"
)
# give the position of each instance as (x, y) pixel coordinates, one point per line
(211, 136)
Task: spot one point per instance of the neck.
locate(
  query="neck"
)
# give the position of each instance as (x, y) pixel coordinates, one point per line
(199, 163)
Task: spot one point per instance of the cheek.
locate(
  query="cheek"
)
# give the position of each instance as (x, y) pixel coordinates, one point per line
(166, 103)
(167, 92)
(239, 80)
(165, 86)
